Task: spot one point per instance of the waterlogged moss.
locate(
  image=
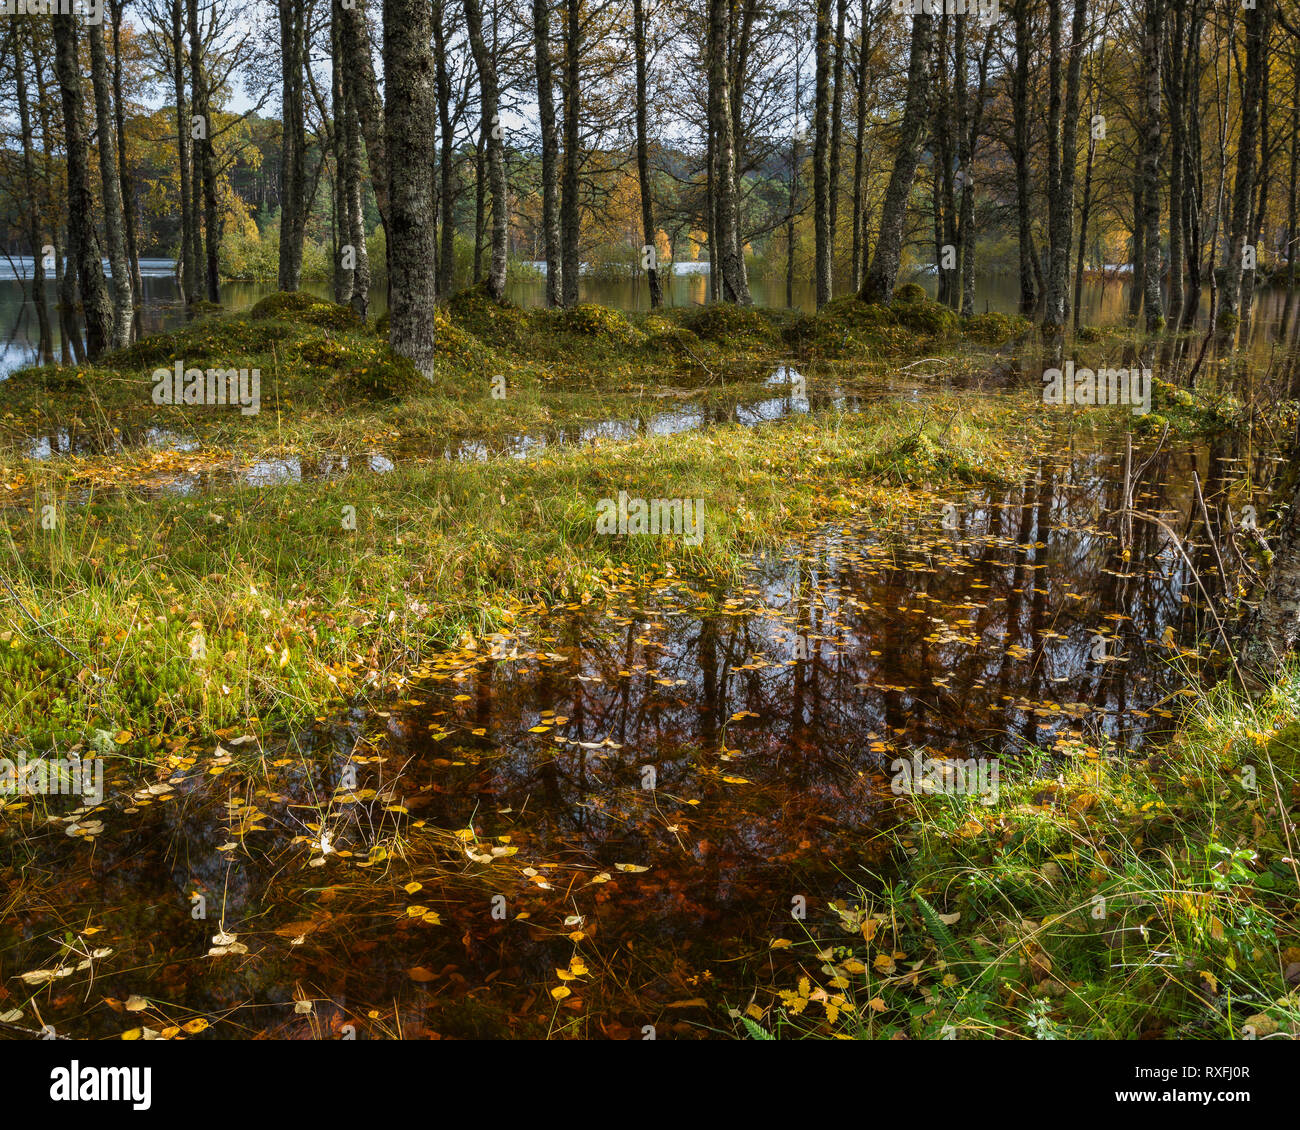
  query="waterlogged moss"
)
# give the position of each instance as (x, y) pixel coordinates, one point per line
(995, 329)
(849, 327)
(589, 320)
(922, 316)
(214, 339)
(298, 306)
(910, 293)
(384, 378)
(729, 324)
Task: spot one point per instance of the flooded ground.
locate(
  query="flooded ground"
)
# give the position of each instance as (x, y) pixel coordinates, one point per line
(613, 824)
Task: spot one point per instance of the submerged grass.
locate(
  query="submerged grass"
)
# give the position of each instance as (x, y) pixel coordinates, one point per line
(1095, 896)
(264, 602)
(141, 612)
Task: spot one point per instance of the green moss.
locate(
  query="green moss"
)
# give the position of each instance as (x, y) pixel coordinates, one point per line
(910, 292)
(995, 328)
(216, 339)
(298, 306)
(589, 320)
(727, 323)
(925, 317)
(384, 378)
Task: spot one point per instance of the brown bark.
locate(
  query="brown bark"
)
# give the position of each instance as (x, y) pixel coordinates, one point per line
(408, 141)
(648, 231)
(83, 241)
(878, 285)
(550, 150)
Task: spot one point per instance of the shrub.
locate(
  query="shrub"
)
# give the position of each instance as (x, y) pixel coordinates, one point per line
(727, 322)
(926, 317)
(994, 328)
(299, 306)
(384, 377)
(590, 320)
(910, 292)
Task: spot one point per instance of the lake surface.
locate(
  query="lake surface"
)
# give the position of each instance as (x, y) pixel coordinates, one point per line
(503, 841)
(1104, 303)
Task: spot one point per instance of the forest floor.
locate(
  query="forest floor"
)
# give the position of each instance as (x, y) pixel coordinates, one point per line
(183, 574)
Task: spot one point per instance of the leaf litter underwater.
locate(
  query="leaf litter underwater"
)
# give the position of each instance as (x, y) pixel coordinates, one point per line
(601, 827)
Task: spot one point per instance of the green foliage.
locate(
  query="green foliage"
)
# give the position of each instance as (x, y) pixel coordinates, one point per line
(727, 323)
(589, 320)
(214, 339)
(995, 329)
(383, 378)
(910, 293)
(299, 306)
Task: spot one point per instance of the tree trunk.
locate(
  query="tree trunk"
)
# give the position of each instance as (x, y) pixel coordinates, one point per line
(738, 72)
(205, 164)
(1249, 274)
(1243, 195)
(821, 156)
(344, 261)
(354, 189)
(837, 115)
(446, 184)
(550, 151)
(859, 147)
(1138, 289)
(942, 134)
(878, 286)
(123, 172)
(189, 264)
(293, 178)
(1061, 163)
(123, 307)
(1176, 101)
(33, 214)
(1150, 163)
(971, 138)
(82, 239)
(733, 283)
(364, 90)
(1020, 115)
(648, 231)
(489, 97)
(570, 222)
(796, 159)
(408, 144)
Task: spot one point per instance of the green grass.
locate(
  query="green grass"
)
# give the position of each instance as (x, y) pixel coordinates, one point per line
(294, 609)
(1102, 896)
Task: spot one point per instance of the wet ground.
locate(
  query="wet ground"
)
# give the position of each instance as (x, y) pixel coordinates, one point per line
(600, 828)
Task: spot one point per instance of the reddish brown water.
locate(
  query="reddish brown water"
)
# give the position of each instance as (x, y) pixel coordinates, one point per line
(769, 715)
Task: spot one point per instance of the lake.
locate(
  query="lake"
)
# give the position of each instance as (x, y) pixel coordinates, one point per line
(1104, 303)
